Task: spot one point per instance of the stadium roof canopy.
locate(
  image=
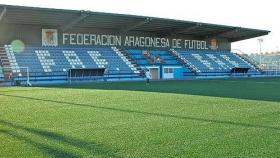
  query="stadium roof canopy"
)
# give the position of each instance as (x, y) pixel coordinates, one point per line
(65, 19)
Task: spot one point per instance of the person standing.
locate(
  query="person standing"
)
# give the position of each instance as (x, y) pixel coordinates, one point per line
(148, 77)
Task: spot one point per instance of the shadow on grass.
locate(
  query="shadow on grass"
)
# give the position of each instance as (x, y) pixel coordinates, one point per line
(46, 149)
(252, 89)
(24, 90)
(90, 147)
(246, 125)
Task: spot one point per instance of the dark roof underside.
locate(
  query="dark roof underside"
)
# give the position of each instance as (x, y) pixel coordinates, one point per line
(121, 23)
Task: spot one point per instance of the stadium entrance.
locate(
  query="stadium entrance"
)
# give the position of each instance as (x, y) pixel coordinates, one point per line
(154, 73)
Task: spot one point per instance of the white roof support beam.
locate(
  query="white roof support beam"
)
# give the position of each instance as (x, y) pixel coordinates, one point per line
(223, 33)
(229, 32)
(3, 13)
(136, 25)
(185, 29)
(188, 28)
(83, 15)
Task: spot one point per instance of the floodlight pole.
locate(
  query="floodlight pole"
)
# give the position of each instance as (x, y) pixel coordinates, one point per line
(260, 40)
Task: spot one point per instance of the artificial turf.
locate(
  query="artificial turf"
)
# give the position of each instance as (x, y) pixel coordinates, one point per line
(207, 118)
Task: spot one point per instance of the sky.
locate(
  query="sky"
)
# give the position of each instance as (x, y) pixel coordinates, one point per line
(257, 14)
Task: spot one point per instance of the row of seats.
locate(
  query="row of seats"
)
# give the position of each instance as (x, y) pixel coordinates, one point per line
(58, 60)
(152, 57)
(214, 62)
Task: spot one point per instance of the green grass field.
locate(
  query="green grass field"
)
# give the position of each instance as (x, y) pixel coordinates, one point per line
(213, 118)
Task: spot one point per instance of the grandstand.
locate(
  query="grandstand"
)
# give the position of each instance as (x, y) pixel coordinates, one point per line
(269, 61)
(49, 45)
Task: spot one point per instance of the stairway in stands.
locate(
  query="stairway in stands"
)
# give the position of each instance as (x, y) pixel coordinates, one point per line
(1, 72)
(6, 65)
(250, 61)
(183, 61)
(129, 61)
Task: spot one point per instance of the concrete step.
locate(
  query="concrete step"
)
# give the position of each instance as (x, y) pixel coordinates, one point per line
(4, 60)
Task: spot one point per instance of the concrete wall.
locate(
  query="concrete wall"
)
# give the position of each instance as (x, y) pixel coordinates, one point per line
(31, 35)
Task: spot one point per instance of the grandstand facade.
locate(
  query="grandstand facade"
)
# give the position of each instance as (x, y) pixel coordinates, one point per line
(49, 45)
